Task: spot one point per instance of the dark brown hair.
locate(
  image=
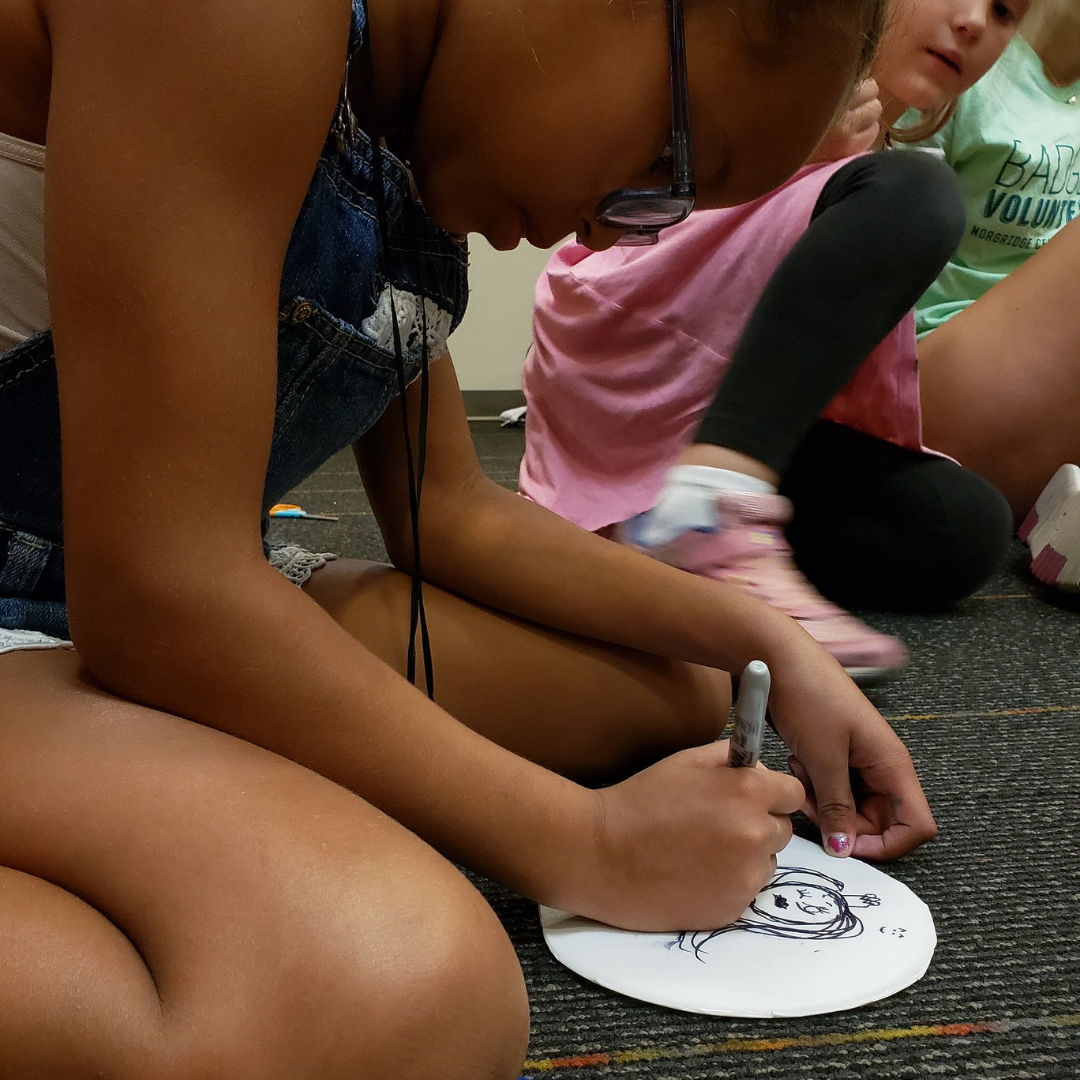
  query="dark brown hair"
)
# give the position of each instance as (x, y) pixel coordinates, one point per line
(856, 20)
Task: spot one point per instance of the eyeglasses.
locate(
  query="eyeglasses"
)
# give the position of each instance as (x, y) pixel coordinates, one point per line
(643, 212)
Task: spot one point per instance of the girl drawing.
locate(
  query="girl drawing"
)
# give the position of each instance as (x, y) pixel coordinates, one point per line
(797, 903)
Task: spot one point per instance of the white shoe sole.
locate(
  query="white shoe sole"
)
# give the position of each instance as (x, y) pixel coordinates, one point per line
(1052, 531)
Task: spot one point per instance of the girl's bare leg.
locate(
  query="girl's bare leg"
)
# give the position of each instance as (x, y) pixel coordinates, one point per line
(582, 708)
(1001, 381)
(178, 904)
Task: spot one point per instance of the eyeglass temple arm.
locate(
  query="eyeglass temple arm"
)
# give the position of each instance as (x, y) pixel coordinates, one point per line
(682, 153)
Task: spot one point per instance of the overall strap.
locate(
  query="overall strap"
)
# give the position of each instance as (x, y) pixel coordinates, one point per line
(344, 126)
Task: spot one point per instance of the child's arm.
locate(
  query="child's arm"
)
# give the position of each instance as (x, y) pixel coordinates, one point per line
(488, 544)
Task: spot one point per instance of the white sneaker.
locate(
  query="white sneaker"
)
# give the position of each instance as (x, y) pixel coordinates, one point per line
(1052, 531)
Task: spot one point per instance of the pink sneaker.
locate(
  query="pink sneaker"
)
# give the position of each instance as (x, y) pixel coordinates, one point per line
(1052, 531)
(749, 550)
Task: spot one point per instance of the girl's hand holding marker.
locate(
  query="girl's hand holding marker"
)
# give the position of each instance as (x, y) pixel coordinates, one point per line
(688, 843)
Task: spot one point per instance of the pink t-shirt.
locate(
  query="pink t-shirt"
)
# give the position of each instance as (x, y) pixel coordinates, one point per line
(630, 344)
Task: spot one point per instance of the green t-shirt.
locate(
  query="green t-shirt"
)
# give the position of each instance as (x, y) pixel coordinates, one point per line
(1014, 141)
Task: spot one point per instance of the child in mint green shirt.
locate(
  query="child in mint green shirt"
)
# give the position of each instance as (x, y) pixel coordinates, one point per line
(1014, 141)
(999, 331)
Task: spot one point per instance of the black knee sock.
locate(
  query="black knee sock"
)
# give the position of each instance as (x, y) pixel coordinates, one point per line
(882, 229)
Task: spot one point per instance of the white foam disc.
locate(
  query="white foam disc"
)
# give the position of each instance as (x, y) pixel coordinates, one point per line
(825, 935)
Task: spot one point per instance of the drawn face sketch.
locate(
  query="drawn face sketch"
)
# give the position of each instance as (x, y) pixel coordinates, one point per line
(797, 903)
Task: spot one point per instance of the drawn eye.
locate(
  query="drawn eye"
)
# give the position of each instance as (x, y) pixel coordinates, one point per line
(781, 902)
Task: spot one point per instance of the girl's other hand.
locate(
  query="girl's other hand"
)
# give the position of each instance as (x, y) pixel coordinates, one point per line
(861, 787)
(858, 130)
(687, 843)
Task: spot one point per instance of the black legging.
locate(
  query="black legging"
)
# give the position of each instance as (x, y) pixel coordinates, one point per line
(879, 526)
(875, 525)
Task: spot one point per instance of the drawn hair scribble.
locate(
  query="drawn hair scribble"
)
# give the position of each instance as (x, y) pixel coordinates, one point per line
(797, 903)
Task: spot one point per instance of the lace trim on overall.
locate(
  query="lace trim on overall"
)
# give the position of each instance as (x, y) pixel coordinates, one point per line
(294, 562)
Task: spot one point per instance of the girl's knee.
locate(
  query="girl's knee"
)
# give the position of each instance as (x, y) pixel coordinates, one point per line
(476, 1007)
(981, 523)
(429, 988)
(957, 527)
(452, 1004)
(931, 200)
(915, 200)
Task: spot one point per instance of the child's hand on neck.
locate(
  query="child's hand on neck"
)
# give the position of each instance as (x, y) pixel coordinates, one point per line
(857, 130)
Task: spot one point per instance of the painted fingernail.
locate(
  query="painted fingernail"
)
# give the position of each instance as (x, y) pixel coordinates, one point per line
(838, 844)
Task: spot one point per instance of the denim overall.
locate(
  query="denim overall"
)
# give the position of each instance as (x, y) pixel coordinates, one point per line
(336, 363)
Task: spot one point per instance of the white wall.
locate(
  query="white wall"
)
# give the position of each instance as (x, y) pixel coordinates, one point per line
(490, 345)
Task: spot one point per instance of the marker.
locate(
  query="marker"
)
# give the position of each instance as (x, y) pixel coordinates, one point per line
(745, 749)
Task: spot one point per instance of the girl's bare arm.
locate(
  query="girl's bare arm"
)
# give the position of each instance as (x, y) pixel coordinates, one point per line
(484, 542)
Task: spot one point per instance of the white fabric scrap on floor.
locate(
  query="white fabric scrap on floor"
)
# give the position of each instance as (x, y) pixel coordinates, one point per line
(513, 417)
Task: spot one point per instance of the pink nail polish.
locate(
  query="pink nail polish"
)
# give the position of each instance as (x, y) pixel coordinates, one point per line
(838, 844)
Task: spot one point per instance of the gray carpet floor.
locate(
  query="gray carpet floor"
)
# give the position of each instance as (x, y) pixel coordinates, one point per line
(990, 708)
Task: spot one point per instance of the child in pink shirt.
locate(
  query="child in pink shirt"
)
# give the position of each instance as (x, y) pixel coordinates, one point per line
(798, 305)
